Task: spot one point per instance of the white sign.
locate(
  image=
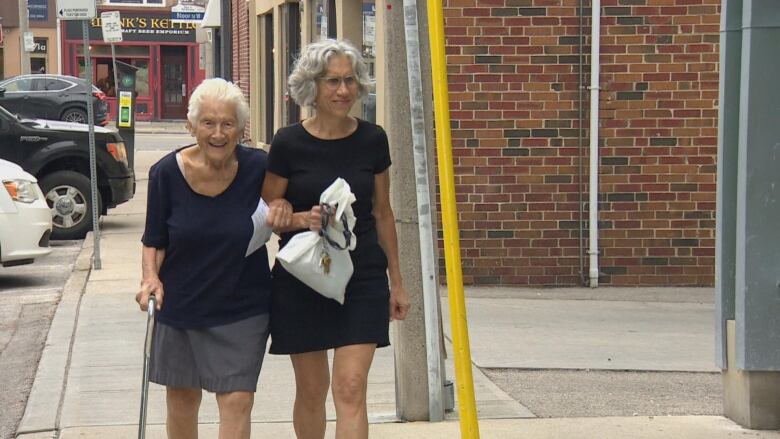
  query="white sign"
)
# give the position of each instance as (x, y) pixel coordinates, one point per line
(29, 42)
(187, 13)
(76, 9)
(111, 24)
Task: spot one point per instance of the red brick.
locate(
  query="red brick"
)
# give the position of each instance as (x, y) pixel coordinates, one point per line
(680, 94)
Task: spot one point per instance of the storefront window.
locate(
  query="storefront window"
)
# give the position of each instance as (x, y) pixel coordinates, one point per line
(268, 56)
(369, 53)
(37, 64)
(104, 77)
(323, 19)
(38, 56)
(103, 74)
(291, 20)
(103, 70)
(141, 77)
(81, 68)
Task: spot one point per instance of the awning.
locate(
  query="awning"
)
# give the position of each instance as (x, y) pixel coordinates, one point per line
(213, 15)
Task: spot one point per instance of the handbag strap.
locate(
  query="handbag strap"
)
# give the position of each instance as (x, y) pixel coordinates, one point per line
(327, 212)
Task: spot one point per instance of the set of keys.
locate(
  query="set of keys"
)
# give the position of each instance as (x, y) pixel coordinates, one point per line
(325, 261)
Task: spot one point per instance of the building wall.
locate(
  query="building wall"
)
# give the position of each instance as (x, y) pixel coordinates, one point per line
(513, 82)
(9, 11)
(241, 68)
(12, 48)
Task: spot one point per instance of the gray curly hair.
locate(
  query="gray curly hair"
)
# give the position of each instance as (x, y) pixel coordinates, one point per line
(312, 64)
(218, 88)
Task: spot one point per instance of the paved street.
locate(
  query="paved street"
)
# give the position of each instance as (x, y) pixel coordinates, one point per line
(28, 298)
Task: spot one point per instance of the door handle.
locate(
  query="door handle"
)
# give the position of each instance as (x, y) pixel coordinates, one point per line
(184, 90)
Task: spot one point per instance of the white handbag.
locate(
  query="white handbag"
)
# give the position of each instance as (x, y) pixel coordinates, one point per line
(322, 261)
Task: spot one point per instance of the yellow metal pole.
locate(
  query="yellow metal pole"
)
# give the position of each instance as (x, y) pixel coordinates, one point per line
(469, 425)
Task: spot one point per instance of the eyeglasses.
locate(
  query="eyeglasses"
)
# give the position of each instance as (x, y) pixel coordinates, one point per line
(334, 82)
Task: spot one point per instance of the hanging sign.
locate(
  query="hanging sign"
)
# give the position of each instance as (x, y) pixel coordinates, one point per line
(182, 13)
(29, 41)
(76, 9)
(111, 25)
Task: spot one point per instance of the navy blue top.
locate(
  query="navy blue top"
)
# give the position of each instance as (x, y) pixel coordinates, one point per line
(206, 277)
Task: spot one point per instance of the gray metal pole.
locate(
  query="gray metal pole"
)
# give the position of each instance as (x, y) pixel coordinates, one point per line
(24, 23)
(92, 162)
(116, 75)
(226, 41)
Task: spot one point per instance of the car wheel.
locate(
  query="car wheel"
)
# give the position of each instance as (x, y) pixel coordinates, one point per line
(69, 197)
(74, 115)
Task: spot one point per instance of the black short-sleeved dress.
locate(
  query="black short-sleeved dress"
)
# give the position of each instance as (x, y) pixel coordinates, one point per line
(302, 320)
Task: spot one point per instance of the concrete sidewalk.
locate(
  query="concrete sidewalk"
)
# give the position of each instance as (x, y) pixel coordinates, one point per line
(88, 382)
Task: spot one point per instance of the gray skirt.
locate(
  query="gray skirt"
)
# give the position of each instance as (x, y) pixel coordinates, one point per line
(219, 359)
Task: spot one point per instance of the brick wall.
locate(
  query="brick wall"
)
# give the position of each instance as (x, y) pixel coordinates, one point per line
(240, 21)
(513, 82)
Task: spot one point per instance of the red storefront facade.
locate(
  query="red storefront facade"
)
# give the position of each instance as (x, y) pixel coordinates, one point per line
(165, 53)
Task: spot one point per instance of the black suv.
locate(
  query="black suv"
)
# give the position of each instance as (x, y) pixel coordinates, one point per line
(57, 154)
(55, 97)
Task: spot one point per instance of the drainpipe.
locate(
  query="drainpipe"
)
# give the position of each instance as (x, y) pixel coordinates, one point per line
(580, 145)
(593, 273)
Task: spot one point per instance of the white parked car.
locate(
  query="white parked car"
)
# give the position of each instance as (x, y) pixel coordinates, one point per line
(25, 218)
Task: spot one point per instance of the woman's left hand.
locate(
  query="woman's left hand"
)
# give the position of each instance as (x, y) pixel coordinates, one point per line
(399, 303)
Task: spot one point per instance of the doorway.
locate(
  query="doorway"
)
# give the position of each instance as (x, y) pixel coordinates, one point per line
(174, 82)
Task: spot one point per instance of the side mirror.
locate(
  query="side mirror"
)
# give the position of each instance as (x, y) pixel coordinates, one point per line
(2, 91)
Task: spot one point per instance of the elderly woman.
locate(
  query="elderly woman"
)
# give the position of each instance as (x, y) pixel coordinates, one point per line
(305, 158)
(212, 290)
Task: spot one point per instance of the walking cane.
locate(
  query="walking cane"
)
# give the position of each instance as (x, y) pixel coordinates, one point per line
(147, 354)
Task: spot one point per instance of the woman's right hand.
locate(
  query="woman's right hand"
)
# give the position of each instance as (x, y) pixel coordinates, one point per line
(150, 287)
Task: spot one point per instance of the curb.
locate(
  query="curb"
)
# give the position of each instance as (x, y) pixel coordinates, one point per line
(162, 131)
(41, 414)
(170, 128)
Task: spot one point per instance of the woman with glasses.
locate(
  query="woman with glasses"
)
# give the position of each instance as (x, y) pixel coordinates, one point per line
(305, 158)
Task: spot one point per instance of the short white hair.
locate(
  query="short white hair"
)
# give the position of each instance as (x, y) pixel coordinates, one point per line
(219, 89)
(312, 64)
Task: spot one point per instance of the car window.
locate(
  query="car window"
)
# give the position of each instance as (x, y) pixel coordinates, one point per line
(56, 84)
(22, 84)
(37, 84)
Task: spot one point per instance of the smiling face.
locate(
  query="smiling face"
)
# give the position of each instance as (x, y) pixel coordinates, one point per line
(337, 89)
(216, 131)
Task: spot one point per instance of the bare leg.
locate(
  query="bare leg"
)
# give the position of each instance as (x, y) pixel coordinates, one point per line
(312, 379)
(350, 381)
(235, 411)
(183, 404)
